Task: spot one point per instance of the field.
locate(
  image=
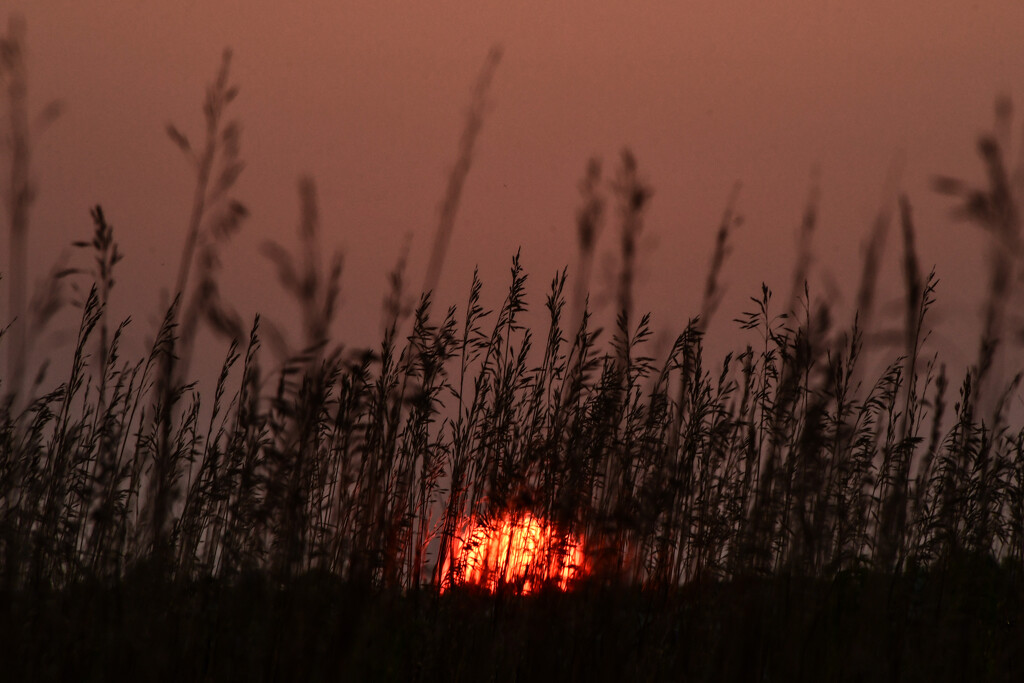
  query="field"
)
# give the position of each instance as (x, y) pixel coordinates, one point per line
(783, 512)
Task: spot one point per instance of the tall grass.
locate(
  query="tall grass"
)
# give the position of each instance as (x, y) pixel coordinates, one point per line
(361, 464)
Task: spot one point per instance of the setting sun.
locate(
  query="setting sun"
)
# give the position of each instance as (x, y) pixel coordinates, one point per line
(521, 551)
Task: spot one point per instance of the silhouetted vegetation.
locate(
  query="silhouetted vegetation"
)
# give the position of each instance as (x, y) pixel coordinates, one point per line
(781, 513)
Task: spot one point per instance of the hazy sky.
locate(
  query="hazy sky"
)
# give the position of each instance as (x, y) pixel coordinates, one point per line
(369, 98)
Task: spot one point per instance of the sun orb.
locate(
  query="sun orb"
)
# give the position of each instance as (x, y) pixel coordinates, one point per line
(519, 551)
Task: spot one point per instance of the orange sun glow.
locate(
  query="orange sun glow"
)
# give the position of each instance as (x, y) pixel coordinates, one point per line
(520, 551)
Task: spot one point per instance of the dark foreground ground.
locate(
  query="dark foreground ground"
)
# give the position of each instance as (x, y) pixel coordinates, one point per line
(963, 624)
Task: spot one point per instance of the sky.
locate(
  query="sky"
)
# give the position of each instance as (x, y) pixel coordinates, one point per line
(369, 98)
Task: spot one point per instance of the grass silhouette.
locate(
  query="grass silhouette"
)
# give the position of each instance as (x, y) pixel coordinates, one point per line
(768, 515)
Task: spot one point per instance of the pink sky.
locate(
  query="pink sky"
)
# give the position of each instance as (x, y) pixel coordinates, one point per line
(368, 97)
